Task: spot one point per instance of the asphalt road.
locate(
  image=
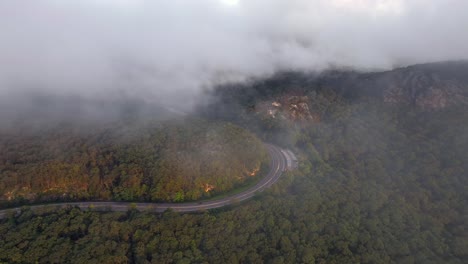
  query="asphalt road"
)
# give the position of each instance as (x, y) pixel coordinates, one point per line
(277, 166)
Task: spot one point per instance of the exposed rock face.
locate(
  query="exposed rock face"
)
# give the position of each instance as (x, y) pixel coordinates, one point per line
(432, 98)
(430, 86)
(300, 96)
(299, 108)
(293, 108)
(425, 90)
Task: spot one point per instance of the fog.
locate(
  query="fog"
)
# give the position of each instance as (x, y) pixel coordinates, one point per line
(170, 52)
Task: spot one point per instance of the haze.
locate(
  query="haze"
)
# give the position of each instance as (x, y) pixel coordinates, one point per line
(169, 51)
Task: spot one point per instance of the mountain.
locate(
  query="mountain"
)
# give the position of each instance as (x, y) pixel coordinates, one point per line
(427, 86)
(381, 177)
(302, 97)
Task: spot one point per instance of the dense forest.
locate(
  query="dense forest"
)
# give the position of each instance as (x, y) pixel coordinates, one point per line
(375, 186)
(377, 183)
(140, 161)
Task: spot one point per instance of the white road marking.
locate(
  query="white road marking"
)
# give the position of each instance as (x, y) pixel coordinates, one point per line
(272, 176)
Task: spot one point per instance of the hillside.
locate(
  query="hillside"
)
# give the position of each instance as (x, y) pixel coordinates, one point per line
(378, 182)
(141, 161)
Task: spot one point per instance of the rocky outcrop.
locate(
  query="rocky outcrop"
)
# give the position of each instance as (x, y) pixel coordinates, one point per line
(430, 86)
(424, 90)
(288, 107)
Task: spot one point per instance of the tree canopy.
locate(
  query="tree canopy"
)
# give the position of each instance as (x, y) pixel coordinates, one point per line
(171, 161)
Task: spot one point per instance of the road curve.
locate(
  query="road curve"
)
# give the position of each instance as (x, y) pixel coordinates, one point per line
(277, 167)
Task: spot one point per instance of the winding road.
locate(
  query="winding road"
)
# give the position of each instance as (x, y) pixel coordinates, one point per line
(278, 165)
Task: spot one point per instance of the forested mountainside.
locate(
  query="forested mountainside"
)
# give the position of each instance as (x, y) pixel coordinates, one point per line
(427, 86)
(378, 182)
(141, 161)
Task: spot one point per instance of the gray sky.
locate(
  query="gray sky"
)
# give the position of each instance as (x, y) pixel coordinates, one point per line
(166, 49)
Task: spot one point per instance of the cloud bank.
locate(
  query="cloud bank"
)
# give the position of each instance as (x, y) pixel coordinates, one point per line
(168, 51)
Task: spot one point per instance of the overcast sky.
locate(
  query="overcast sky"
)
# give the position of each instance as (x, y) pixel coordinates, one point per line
(154, 50)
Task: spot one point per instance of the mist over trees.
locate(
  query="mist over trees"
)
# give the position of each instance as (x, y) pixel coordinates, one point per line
(171, 51)
(175, 161)
(170, 100)
(377, 183)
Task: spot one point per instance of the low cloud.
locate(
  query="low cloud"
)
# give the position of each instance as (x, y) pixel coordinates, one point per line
(169, 51)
